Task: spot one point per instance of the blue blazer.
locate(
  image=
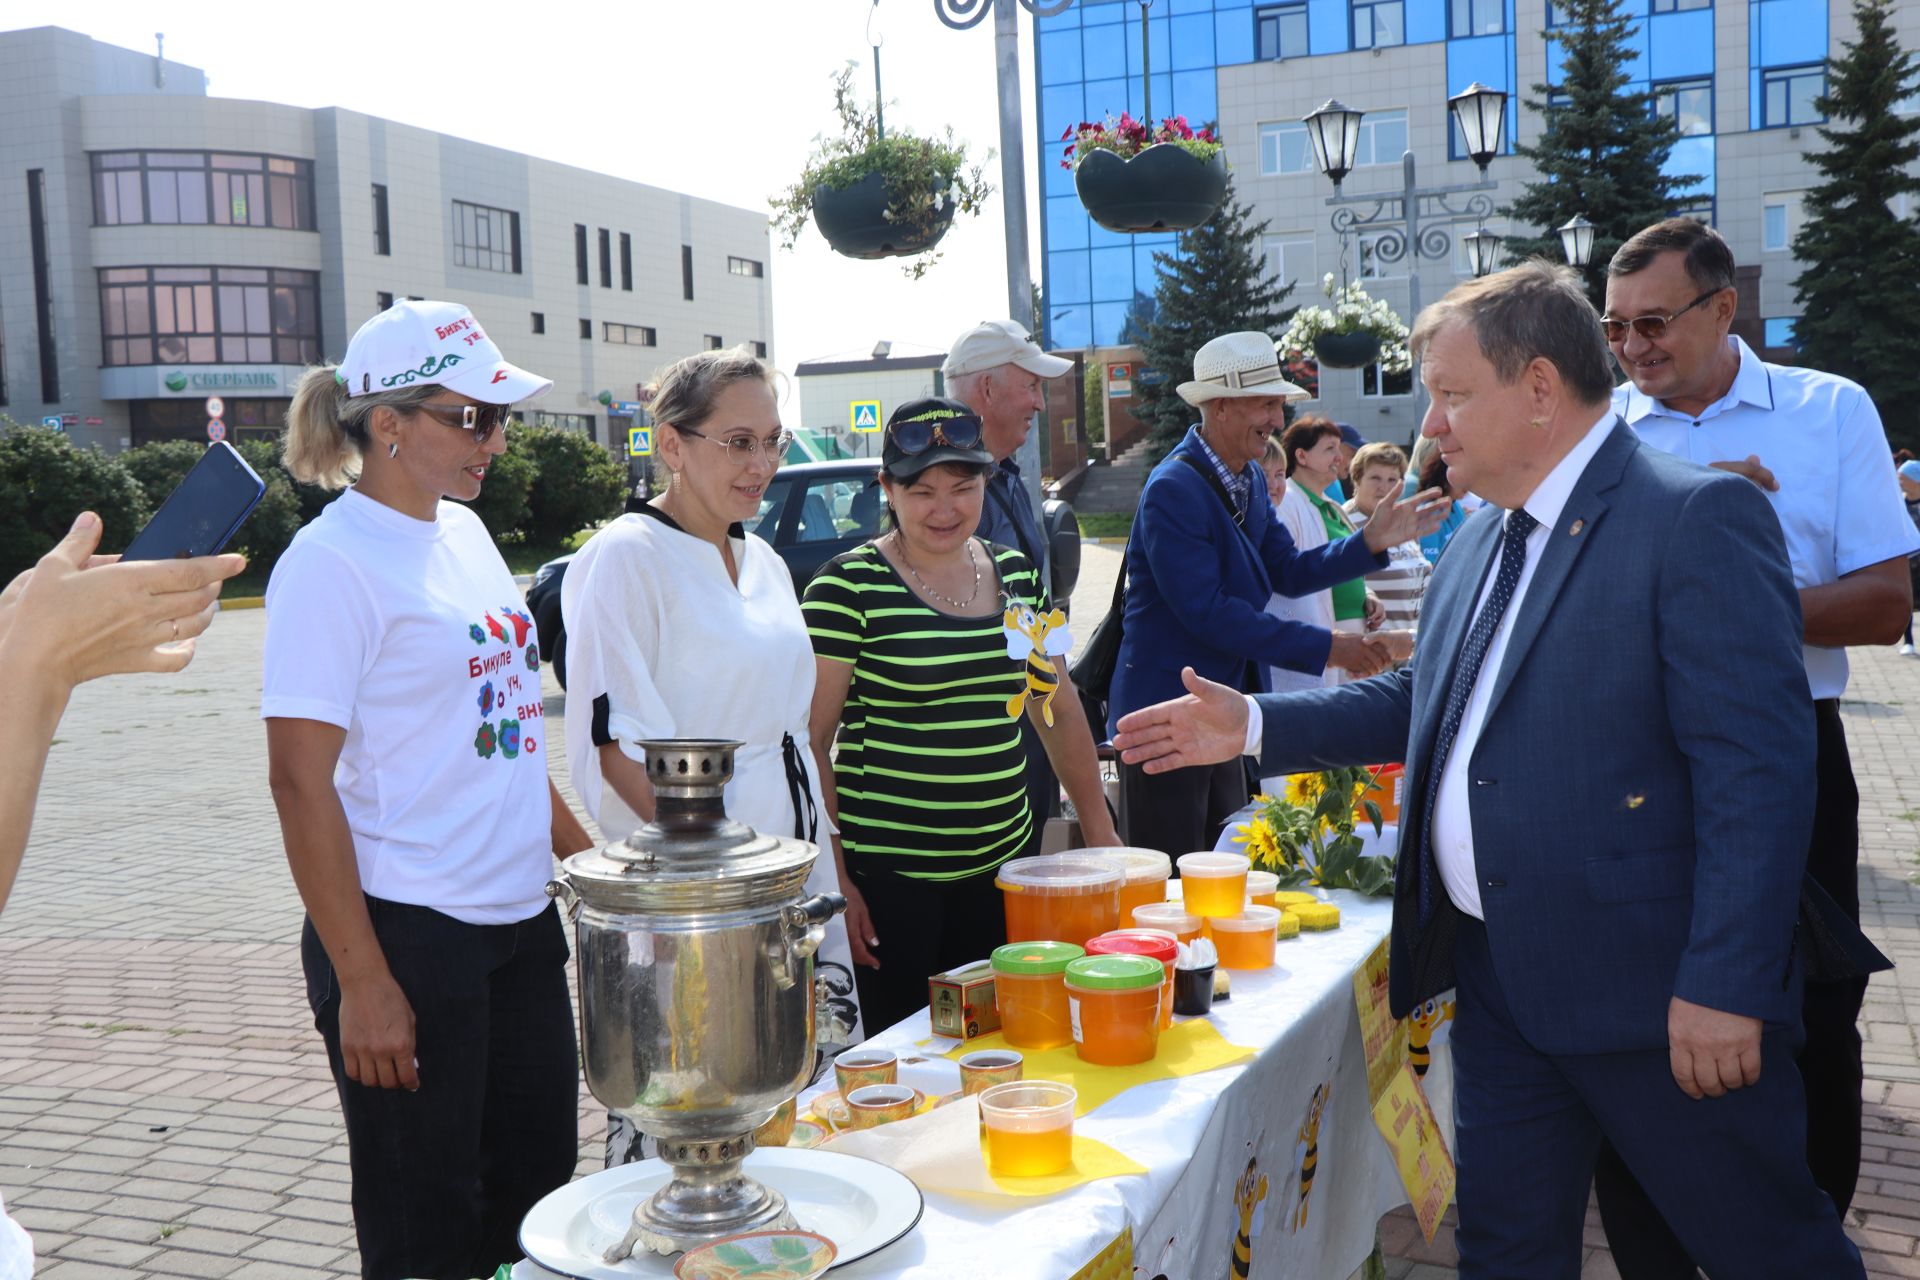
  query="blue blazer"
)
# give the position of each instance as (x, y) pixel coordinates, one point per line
(1197, 588)
(1642, 789)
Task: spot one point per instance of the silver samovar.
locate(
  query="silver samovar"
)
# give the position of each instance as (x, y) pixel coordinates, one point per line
(695, 941)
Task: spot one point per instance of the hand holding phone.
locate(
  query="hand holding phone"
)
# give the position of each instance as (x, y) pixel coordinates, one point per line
(203, 514)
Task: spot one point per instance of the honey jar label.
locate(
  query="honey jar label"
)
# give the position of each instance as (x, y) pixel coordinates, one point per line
(1073, 1016)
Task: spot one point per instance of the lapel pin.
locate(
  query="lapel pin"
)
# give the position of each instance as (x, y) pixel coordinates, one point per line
(1573, 530)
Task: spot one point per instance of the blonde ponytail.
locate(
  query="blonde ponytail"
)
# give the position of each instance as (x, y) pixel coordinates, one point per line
(327, 429)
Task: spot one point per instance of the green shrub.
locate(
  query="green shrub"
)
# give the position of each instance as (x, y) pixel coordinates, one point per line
(504, 503)
(577, 484)
(45, 482)
(159, 468)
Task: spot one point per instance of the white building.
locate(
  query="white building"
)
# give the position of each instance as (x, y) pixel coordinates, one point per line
(836, 389)
(158, 246)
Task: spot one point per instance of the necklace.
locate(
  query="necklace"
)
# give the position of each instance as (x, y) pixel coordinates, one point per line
(900, 545)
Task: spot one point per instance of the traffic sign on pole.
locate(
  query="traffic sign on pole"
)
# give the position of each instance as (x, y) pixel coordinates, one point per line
(51, 420)
(863, 415)
(216, 407)
(216, 430)
(639, 442)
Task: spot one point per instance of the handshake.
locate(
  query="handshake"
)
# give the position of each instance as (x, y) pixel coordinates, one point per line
(1366, 655)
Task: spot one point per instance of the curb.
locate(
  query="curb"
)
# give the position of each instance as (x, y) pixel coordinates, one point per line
(243, 602)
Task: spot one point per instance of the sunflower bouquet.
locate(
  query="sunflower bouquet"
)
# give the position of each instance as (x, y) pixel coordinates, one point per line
(1306, 834)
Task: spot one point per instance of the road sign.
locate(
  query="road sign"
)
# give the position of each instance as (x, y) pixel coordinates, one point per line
(216, 430)
(69, 419)
(1119, 381)
(639, 442)
(216, 407)
(863, 415)
(1149, 377)
(51, 420)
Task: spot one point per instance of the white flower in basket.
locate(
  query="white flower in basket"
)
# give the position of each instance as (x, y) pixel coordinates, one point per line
(1353, 311)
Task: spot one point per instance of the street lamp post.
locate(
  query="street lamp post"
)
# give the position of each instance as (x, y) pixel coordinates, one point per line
(1576, 241)
(1334, 132)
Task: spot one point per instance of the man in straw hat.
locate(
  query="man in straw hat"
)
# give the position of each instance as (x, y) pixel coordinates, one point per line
(1206, 555)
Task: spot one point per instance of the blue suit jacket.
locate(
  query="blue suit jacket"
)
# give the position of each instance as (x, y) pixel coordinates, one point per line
(1197, 588)
(1642, 789)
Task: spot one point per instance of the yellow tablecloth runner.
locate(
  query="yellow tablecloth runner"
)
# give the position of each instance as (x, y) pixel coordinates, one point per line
(1186, 1049)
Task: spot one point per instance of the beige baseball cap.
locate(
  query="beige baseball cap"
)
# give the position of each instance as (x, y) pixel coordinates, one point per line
(992, 343)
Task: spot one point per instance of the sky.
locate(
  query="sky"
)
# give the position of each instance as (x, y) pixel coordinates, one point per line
(716, 98)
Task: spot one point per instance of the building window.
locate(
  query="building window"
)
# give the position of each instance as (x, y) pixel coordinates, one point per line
(581, 422)
(382, 233)
(760, 350)
(1284, 149)
(632, 335)
(686, 272)
(383, 301)
(1379, 23)
(1680, 6)
(586, 329)
(626, 262)
(1477, 18)
(580, 256)
(202, 188)
(1780, 219)
(1373, 264)
(1553, 14)
(486, 238)
(606, 259)
(209, 315)
(539, 322)
(711, 339)
(1376, 386)
(1787, 95)
(745, 267)
(1383, 138)
(1280, 31)
(1290, 261)
(1700, 209)
(1779, 331)
(1689, 103)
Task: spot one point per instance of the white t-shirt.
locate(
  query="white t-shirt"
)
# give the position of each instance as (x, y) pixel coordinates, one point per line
(16, 1249)
(411, 636)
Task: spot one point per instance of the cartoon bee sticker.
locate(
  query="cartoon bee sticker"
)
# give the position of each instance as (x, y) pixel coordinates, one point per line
(1423, 1024)
(1038, 639)
(1307, 1149)
(1248, 1195)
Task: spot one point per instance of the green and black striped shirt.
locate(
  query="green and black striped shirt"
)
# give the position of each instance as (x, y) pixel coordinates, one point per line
(931, 770)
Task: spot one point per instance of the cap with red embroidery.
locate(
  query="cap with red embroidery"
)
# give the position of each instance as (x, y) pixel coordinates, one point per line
(420, 343)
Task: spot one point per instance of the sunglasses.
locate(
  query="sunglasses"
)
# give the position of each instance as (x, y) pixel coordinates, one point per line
(481, 419)
(917, 435)
(1652, 328)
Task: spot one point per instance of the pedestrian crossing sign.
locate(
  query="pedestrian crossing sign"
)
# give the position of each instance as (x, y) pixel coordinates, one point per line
(639, 442)
(864, 415)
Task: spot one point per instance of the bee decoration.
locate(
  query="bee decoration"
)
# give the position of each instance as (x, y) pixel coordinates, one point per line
(1308, 1148)
(1037, 639)
(1422, 1025)
(1248, 1193)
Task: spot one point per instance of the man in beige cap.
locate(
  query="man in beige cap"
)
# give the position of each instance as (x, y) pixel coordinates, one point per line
(1206, 555)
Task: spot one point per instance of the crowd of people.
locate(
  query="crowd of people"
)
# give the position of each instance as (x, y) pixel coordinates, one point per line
(1610, 672)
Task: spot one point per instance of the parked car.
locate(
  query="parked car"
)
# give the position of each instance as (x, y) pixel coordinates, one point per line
(810, 513)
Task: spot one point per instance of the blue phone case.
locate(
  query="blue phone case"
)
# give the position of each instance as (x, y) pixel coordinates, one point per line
(208, 508)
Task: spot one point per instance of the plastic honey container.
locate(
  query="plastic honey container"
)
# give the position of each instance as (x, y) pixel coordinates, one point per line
(1061, 897)
(1168, 917)
(1114, 1005)
(1030, 986)
(1159, 945)
(1213, 884)
(1147, 871)
(1261, 886)
(1246, 941)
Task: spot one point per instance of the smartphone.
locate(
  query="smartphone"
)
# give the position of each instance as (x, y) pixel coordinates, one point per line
(208, 508)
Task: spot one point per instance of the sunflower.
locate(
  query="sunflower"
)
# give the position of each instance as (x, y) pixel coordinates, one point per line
(1305, 789)
(1258, 838)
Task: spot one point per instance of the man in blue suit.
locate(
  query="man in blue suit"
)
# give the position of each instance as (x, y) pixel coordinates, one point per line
(1205, 557)
(1609, 753)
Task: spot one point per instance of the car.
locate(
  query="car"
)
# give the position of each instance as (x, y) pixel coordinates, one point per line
(810, 513)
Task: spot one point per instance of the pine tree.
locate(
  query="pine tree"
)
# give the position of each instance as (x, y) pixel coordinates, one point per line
(1602, 149)
(1214, 282)
(1860, 273)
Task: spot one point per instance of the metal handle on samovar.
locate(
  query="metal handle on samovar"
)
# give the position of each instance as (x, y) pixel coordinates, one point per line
(805, 929)
(561, 890)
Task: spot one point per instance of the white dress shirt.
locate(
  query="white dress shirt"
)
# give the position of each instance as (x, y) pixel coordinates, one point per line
(1838, 502)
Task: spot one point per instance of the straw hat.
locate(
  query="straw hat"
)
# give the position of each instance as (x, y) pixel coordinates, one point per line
(1236, 365)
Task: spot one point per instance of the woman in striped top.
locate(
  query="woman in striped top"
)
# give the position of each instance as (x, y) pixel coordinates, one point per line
(921, 681)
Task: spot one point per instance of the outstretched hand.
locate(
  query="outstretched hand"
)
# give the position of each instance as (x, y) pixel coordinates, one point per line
(1207, 726)
(1398, 520)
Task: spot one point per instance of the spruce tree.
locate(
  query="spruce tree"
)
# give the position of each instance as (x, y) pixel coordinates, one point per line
(1602, 149)
(1860, 264)
(1214, 282)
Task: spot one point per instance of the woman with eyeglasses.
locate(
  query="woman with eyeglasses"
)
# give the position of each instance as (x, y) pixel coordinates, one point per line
(408, 761)
(682, 624)
(930, 646)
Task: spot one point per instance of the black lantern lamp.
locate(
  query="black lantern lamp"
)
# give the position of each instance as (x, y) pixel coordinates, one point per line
(1483, 249)
(1576, 241)
(1334, 131)
(1482, 115)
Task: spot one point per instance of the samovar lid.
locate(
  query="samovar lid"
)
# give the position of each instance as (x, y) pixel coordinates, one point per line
(691, 857)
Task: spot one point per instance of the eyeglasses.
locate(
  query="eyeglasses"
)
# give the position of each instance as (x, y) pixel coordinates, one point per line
(1652, 328)
(481, 419)
(744, 449)
(917, 435)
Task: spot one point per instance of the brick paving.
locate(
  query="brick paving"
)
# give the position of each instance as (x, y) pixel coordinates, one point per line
(165, 1107)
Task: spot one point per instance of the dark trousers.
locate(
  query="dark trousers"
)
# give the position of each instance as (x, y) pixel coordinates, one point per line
(1644, 1248)
(1729, 1172)
(1182, 810)
(925, 927)
(442, 1176)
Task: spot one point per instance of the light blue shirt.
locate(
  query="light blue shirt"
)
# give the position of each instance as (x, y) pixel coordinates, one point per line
(1838, 502)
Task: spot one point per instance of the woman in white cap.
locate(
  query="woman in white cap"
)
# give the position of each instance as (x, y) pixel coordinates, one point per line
(681, 624)
(407, 755)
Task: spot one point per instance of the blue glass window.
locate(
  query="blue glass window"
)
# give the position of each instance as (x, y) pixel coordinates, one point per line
(1284, 149)
(1379, 23)
(1687, 102)
(1193, 42)
(1280, 31)
(1105, 53)
(1787, 94)
(1680, 6)
(1383, 138)
(1780, 331)
(1477, 18)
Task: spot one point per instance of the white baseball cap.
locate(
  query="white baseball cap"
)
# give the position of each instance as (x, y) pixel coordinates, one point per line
(992, 343)
(414, 344)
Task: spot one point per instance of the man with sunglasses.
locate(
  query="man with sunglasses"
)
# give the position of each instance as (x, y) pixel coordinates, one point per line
(1814, 443)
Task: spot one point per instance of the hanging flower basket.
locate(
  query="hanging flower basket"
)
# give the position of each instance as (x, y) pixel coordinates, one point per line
(1133, 178)
(858, 221)
(1346, 350)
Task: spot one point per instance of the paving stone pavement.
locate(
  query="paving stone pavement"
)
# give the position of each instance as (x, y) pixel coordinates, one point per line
(165, 1107)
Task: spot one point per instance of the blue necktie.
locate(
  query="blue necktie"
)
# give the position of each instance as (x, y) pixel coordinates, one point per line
(1466, 673)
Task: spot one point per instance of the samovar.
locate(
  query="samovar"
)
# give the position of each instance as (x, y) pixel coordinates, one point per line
(694, 944)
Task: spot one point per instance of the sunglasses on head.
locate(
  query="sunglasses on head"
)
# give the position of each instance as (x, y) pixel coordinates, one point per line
(481, 419)
(1652, 328)
(917, 435)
